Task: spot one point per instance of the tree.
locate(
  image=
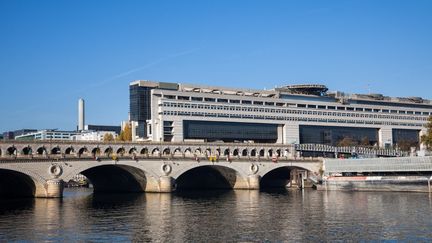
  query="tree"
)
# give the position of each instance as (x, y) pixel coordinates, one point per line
(125, 134)
(427, 138)
(108, 137)
(405, 144)
(365, 141)
(347, 141)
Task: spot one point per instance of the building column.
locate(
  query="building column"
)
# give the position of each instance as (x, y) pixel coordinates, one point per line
(291, 133)
(54, 188)
(166, 184)
(177, 130)
(280, 134)
(385, 137)
(254, 182)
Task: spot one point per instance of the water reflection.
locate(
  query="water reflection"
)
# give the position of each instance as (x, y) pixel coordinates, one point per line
(277, 215)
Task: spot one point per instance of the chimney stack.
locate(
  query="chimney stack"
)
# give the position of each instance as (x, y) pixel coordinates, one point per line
(80, 114)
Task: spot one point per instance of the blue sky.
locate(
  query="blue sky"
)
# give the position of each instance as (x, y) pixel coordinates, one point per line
(54, 52)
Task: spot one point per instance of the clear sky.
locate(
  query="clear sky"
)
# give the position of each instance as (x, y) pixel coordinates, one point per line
(54, 52)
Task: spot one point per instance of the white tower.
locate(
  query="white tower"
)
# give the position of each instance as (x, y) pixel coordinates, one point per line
(80, 115)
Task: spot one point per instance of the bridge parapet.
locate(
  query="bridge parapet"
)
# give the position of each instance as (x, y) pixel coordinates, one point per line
(42, 148)
(367, 151)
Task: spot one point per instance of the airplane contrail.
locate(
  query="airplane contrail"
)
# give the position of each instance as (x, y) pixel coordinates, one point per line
(148, 65)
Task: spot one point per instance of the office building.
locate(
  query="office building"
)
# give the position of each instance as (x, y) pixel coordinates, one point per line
(286, 115)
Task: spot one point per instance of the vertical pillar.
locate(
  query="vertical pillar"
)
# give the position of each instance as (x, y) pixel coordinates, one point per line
(280, 134)
(291, 133)
(166, 184)
(134, 126)
(254, 182)
(177, 130)
(385, 136)
(54, 188)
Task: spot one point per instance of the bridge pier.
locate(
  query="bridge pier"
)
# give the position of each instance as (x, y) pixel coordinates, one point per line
(254, 182)
(166, 184)
(54, 188)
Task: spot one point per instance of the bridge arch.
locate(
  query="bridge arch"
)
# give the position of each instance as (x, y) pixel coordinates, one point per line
(132, 151)
(11, 150)
(155, 151)
(210, 176)
(226, 152)
(235, 152)
(15, 183)
(144, 151)
(244, 153)
(108, 151)
(41, 150)
(278, 176)
(55, 150)
(121, 151)
(166, 151)
(118, 178)
(27, 150)
(69, 150)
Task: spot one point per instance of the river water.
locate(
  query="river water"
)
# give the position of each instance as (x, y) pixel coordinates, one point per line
(219, 216)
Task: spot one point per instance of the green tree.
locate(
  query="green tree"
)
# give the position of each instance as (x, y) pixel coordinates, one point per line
(427, 138)
(108, 137)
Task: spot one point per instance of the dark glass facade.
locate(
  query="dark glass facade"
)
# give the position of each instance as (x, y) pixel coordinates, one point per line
(404, 138)
(343, 136)
(115, 129)
(230, 131)
(140, 106)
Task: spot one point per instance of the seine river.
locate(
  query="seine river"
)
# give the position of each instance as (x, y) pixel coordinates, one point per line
(219, 216)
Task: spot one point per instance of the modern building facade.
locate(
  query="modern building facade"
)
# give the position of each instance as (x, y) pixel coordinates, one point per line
(286, 115)
(47, 135)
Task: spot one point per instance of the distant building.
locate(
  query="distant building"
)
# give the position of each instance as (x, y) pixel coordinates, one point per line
(8, 135)
(92, 136)
(13, 134)
(105, 128)
(47, 135)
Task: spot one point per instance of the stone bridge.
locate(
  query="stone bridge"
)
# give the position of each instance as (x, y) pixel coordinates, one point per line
(40, 168)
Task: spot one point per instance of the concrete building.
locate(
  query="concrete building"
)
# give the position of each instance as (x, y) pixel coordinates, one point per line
(286, 115)
(103, 128)
(49, 134)
(92, 135)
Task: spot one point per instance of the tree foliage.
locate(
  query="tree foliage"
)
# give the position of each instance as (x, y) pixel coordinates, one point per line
(108, 137)
(347, 141)
(427, 138)
(125, 134)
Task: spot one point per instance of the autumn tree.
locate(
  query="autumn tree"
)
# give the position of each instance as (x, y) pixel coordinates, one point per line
(365, 141)
(347, 141)
(108, 137)
(125, 134)
(427, 138)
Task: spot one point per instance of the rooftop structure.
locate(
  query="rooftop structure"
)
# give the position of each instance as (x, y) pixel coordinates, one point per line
(287, 114)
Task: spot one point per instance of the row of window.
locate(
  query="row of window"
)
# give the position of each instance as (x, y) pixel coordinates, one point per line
(309, 106)
(291, 111)
(286, 118)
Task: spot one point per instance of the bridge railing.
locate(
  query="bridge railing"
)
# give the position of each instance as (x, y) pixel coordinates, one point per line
(143, 157)
(351, 150)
